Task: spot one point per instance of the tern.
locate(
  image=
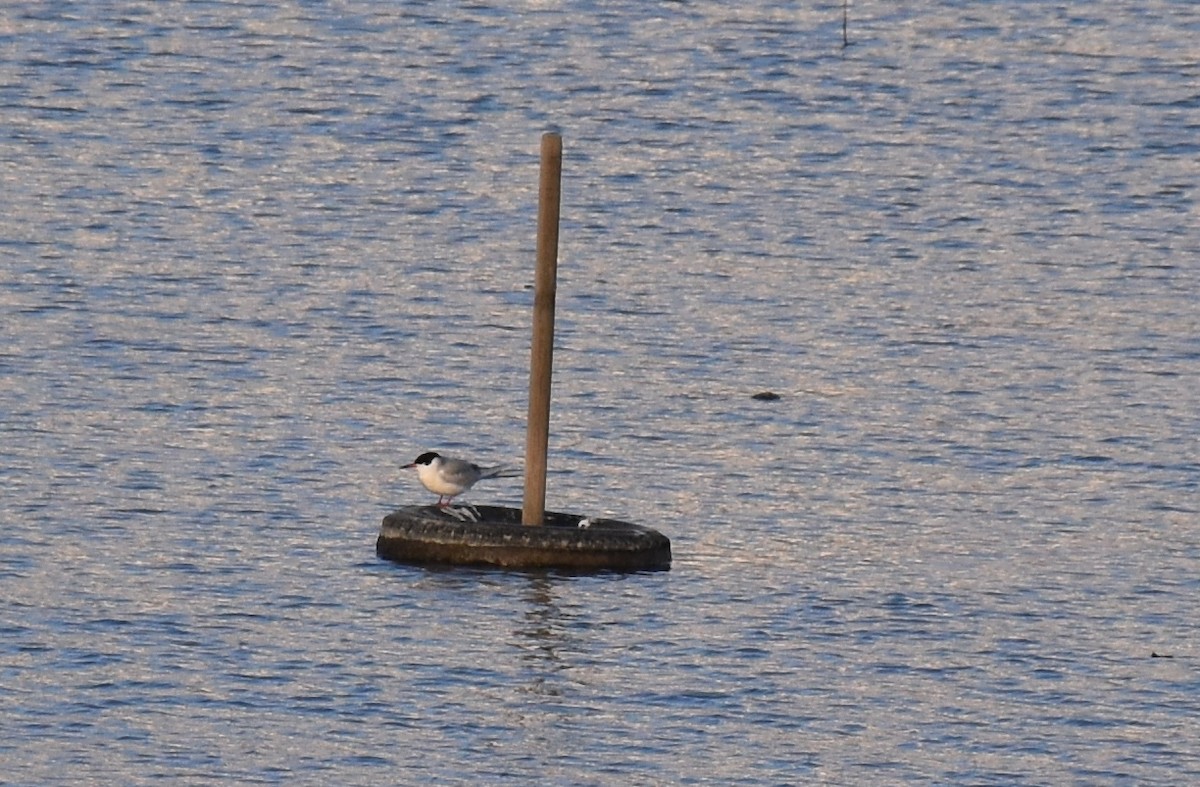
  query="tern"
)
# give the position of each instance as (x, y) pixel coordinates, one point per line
(447, 477)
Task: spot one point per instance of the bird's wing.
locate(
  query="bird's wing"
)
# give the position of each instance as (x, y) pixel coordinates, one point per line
(499, 471)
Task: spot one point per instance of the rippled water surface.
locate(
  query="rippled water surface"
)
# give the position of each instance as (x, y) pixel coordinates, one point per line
(258, 255)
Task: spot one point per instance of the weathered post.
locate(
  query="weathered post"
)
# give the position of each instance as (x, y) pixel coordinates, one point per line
(537, 429)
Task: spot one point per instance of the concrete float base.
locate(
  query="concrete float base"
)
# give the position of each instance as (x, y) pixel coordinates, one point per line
(494, 536)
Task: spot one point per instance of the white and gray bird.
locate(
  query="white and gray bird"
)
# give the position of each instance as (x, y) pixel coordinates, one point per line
(447, 477)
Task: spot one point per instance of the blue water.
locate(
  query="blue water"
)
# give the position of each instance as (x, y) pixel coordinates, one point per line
(257, 256)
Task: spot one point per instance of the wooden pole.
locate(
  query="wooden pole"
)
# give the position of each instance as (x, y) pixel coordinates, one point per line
(537, 430)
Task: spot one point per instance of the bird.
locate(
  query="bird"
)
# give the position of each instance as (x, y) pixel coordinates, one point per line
(447, 477)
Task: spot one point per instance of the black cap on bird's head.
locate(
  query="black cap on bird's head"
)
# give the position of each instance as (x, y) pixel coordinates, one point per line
(424, 459)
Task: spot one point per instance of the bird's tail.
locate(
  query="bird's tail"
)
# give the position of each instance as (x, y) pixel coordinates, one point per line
(500, 471)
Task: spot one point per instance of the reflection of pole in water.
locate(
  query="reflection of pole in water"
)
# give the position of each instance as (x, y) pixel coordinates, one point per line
(542, 636)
